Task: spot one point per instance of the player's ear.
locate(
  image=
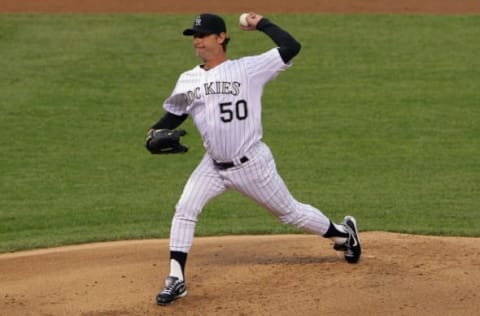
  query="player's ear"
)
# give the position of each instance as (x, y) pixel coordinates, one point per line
(221, 37)
(223, 40)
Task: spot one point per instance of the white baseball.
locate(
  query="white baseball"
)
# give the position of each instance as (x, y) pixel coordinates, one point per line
(243, 19)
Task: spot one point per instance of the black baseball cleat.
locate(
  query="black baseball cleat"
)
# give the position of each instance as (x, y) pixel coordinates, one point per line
(174, 288)
(351, 248)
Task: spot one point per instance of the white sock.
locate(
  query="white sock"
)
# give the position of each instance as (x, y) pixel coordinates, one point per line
(339, 240)
(176, 269)
(340, 228)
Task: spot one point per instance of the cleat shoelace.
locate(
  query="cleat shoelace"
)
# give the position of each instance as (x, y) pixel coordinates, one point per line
(170, 286)
(347, 246)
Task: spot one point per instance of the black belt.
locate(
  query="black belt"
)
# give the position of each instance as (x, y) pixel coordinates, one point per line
(230, 164)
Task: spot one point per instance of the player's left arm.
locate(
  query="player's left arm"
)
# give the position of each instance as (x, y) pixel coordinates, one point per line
(162, 138)
(169, 121)
(288, 46)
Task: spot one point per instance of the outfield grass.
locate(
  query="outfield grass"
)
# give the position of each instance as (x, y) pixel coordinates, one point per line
(379, 117)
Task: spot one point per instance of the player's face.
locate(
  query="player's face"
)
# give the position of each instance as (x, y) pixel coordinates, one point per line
(208, 47)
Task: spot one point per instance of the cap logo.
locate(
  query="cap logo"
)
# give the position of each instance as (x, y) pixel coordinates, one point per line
(198, 21)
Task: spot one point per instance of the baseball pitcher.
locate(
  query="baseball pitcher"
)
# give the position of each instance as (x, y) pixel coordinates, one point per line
(223, 98)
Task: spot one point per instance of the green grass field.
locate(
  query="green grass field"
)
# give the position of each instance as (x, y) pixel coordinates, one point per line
(379, 117)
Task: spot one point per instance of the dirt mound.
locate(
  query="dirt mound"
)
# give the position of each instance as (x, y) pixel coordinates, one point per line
(249, 275)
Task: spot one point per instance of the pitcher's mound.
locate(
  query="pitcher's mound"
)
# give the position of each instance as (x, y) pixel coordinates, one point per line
(249, 275)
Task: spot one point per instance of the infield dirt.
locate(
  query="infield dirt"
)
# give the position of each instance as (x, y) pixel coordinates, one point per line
(248, 275)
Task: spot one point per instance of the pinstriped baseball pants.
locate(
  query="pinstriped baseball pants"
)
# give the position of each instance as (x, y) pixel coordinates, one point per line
(257, 179)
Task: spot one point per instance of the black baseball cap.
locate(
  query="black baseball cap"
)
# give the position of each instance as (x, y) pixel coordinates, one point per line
(206, 23)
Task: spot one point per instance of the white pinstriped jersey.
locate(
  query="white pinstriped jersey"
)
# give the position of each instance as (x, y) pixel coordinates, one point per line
(225, 102)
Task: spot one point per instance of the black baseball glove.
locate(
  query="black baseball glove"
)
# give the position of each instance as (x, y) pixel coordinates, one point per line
(165, 141)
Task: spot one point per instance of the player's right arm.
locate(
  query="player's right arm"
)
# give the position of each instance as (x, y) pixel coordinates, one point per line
(288, 46)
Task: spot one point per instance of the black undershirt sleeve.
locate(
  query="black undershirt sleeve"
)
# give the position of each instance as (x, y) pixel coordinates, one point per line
(287, 45)
(170, 121)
